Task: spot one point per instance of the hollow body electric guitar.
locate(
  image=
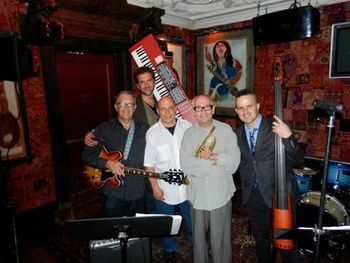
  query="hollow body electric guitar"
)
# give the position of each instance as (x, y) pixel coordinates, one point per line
(282, 205)
(98, 177)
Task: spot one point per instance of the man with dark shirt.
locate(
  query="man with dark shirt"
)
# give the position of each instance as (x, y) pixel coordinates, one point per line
(145, 112)
(256, 140)
(127, 136)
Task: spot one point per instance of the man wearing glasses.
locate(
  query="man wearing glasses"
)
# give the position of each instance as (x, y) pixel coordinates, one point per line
(210, 170)
(127, 136)
(146, 112)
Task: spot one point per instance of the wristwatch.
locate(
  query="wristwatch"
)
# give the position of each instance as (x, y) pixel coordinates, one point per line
(211, 156)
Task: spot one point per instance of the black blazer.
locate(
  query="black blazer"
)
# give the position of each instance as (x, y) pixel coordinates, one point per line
(263, 162)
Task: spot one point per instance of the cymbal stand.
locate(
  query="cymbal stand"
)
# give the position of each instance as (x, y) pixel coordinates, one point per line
(319, 230)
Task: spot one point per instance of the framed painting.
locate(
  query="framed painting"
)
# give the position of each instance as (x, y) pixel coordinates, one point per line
(225, 66)
(13, 142)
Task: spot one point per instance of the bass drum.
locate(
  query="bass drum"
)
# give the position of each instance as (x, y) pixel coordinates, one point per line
(307, 216)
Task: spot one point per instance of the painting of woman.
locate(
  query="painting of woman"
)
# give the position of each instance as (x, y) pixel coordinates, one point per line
(226, 72)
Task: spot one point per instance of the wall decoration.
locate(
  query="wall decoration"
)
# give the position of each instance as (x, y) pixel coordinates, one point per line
(12, 133)
(178, 61)
(225, 66)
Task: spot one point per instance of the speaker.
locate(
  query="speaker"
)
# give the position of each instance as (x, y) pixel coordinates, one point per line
(287, 25)
(109, 251)
(16, 62)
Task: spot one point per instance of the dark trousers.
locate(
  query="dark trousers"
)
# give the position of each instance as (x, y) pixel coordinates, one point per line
(115, 207)
(260, 219)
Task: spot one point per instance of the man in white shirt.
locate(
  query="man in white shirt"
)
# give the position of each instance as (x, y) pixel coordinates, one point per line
(162, 153)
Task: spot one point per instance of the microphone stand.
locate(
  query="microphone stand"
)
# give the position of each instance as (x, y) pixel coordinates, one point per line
(319, 232)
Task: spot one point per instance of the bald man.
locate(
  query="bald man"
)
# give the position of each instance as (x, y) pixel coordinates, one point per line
(162, 153)
(212, 185)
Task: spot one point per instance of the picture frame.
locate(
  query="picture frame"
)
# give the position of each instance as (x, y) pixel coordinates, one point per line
(219, 81)
(179, 61)
(14, 134)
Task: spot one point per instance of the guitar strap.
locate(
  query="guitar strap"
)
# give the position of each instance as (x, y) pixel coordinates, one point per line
(129, 140)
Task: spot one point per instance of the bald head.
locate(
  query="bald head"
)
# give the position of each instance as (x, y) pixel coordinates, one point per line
(165, 100)
(167, 111)
(203, 110)
(203, 99)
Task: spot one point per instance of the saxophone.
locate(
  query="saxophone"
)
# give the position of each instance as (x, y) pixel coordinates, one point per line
(208, 142)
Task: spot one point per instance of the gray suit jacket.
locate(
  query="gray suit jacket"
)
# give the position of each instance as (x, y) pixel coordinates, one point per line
(263, 163)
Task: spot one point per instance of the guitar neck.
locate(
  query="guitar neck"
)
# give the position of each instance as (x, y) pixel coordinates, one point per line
(280, 159)
(216, 74)
(140, 172)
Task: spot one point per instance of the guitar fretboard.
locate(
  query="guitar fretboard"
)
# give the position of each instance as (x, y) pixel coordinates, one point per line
(134, 171)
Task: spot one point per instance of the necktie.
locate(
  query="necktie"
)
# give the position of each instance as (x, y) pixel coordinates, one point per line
(252, 148)
(252, 140)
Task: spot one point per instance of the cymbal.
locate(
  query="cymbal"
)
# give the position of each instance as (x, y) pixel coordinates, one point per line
(304, 171)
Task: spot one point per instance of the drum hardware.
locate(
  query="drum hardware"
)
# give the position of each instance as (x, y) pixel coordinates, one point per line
(330, 109)
(336, 225)
(304, 178)
(327, 229)
(339, 176)
(304, 183)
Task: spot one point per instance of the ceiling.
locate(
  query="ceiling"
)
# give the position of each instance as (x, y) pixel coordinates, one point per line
(197, 14)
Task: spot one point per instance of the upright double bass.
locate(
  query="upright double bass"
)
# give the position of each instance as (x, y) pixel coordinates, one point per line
(282, 214)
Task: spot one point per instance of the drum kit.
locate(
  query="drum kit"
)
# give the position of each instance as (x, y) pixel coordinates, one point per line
(336, 222)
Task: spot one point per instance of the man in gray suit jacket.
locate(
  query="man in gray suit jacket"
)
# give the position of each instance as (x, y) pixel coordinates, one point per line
(256, 140)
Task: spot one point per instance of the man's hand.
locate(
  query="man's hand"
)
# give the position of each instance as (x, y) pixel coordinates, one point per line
(209, 155)
(158, 193)
(280, 128)
(115, 167)
(89, 139)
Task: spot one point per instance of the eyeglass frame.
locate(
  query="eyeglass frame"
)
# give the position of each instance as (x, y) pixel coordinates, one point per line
(123, 105)
(203, 108)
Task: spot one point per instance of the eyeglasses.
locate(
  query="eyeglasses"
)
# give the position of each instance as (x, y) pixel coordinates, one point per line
(125, 105)
(201, 108)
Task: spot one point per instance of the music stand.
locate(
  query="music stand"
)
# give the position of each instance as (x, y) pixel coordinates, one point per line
(123, 228)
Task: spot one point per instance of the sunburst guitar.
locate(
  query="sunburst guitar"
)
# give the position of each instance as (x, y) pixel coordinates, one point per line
(98, 177)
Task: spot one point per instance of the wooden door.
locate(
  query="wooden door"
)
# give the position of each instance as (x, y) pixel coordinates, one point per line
(85, 93)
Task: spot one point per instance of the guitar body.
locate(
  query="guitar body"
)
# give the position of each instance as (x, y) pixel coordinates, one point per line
(98, 178)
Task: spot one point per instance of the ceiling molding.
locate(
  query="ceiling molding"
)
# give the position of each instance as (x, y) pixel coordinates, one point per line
(199, 14)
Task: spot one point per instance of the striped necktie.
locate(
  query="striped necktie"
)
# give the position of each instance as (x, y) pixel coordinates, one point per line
(252, 140)
(252, 148)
